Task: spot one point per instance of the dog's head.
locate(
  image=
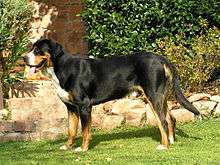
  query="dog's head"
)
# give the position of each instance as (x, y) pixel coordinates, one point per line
(43, 53)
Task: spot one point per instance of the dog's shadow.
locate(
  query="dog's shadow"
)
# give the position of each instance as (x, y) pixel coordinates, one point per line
(152, 132)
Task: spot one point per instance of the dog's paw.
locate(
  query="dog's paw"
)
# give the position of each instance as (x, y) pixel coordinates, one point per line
(78, 149)
(64, 147)
(161, 147)
(171, 140)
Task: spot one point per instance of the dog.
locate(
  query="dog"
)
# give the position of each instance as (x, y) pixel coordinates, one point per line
(84, 82)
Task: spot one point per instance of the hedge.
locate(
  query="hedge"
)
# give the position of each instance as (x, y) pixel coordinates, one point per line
(116, 27)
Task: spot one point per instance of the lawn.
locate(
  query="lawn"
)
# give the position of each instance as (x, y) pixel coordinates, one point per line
(197, 143)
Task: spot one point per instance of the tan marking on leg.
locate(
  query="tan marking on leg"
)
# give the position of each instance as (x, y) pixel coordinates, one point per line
(164, 138)
(86, 135)
(170, 128)
(73, 120)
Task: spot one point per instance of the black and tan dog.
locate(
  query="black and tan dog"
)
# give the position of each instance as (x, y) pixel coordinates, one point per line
(84, 82)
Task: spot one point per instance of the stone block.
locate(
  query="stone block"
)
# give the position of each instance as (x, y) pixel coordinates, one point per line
(124, 105)
(182, 115)
(217, 110)
(3, 113)
(215, 98)
(205, 106)
(112, 121)
(97, 120)
(39, 108)
(13, 136)
(24, 126)
(6, 126)
(151, 120)
(23, 137)
(199, 96)
(136, 117)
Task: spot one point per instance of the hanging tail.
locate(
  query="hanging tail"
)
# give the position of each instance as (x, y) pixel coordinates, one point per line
(176, 88)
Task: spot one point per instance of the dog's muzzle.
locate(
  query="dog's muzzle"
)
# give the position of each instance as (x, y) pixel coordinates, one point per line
(29, 59)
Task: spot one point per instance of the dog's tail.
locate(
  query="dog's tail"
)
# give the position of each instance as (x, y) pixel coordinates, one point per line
(176, 88)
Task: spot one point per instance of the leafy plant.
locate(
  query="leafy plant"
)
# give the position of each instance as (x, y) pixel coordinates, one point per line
(14, 20)
(118, 27)
(195, 64)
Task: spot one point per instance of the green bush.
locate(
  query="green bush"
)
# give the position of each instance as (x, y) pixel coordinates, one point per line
(118, 27)
(14, 25)
(195, 64)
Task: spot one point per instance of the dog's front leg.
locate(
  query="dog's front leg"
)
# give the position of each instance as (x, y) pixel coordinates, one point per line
(85, 116)
(73, 120)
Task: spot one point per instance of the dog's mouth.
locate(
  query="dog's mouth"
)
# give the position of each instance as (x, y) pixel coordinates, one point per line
(33, 68)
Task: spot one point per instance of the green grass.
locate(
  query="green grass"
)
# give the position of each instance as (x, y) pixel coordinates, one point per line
(197, 143)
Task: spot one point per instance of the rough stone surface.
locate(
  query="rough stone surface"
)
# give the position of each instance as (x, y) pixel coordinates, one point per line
(151, 120)
(215, 98)
(198, 96)
(6, 126)
(112, 121)
(172, 105)
(124, 105)
(24, 126)
(28, 109)
(205, 106)
(11, 136)
(217, 110)
(182, 115)
(97, 120)
(36, 89)
(98, 109)
(3, 113)
(136, 117)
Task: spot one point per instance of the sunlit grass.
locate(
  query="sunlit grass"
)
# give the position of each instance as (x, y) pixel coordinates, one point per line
(197, 143)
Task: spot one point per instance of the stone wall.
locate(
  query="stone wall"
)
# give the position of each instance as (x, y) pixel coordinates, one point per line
(40, 113)
(59, 20)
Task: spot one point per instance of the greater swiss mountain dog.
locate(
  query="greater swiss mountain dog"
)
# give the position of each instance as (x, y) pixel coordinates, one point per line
(84, 82)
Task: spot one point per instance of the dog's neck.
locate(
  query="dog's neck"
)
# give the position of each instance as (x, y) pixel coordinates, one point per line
(52, 75)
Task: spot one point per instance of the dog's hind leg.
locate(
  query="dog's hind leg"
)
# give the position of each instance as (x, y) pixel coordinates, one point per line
(73, 120)
(171, 127)
(156, 101)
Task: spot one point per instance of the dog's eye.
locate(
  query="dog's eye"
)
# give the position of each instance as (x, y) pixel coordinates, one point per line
(38, 52)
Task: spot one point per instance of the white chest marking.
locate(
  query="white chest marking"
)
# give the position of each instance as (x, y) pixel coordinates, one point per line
(63, 95)
(31, 58)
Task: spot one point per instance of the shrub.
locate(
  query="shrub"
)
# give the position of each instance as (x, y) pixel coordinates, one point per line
(118, 27)
(14, 20)
(195, 64)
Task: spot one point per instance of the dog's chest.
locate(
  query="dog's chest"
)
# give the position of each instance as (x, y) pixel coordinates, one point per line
(64, 95)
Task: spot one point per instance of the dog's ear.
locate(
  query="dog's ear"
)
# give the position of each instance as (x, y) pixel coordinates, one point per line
(56, 49)
(59, 49)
